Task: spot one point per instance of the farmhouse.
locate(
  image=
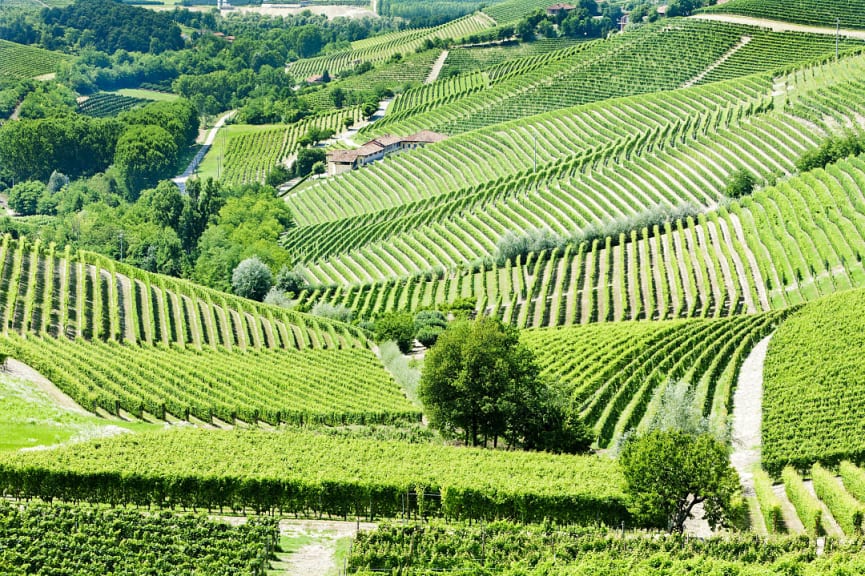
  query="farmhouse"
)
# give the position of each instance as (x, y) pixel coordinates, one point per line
(339, 161)
(560, 9)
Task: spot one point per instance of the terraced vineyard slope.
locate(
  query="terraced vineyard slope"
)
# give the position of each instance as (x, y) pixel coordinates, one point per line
(125, 342)
(813, 406)
(812, 12)
(18, 61)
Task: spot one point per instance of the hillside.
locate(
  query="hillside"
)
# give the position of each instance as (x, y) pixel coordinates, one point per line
(665, 223)
(125, 342)
(825, 13)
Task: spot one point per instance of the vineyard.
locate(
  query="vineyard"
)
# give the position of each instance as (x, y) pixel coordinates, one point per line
(38, 539)
(126, 343)
(814, 359)
(245, 154)
(617, 373)
(303, 472)
(104, 104)
(18, 61)
(511, 549)
(824, 13)
(673, 217)
(379, 49)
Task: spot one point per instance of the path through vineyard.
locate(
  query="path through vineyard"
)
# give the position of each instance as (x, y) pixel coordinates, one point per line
(747, 414)
(437, 67)
(777, 26)
(25, 372)
(316, 556)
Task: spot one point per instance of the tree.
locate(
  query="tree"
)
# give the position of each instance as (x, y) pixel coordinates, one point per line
(24, 197)
(397, 326)
(291, 281)
(252, 279)
(740, 183)
(481, 381)
(144, 155)
(338, 97)
(306, 159)
(669, 472)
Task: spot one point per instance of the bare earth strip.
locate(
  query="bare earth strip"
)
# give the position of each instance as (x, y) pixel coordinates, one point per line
(747, 414)
(776, 26)
(437, 67)
(25, 372)
(317, 557)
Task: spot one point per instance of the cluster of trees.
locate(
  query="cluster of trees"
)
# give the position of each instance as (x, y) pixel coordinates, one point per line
(428, 12)
(142, 145)
(831, 150)
(587, 20)
(109, 26)
(479, 382)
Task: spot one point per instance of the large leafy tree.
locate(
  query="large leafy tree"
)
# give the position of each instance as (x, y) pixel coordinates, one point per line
(480, 381)
(144, 155)
(670, 472)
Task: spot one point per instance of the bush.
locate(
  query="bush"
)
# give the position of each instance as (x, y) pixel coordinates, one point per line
(24, 197)
(429, 335)
(831, 150)
(740, 183)
(333, 312)
(396, 326)
(292, 281)
(511, 245)
(279, 174)
(276, 297)
(429, 318)
(252, 279)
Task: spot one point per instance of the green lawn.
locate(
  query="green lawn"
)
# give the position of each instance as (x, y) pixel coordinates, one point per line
(147, 94)
(29, 418)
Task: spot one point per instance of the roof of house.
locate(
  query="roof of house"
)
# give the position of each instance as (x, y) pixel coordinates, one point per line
(386, 140)
(315, 78)
(342, 156)
(560, 6)
(425, 136)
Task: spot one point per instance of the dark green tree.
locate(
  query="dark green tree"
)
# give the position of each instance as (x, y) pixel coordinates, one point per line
(397, 326)
(740, 183)
(24, 197)
(479, 380)
(144, 155)
(669, 472)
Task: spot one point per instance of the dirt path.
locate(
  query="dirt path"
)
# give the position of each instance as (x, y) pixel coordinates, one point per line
(437, 67)
(316, 557)
(199, 156)
(25, 372)
(777, 26)
(726, 56)
(747, 415)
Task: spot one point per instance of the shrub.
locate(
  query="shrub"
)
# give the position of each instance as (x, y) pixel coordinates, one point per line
(252, 279)
(336, 312)
(740, 183)
(429, 335)
(396, 326)
(831, 150)
(276, 297)
(290, 280)
(429, 318)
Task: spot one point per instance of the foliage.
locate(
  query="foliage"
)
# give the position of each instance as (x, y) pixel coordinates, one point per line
(396, 326)
(110, 26)
(831, 150)
(679, 410)
(338, 313)
(307, 158)
(481, 383)
(251, 279)
(247, 225)
(740, 183)
(291, 280)
(428, 335)
(92, 540)
(670, 472)
(312, 474)
(24, 197)
(510, 245)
